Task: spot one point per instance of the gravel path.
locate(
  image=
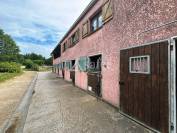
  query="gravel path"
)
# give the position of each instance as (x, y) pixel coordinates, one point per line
(58, 107)
(11, 92)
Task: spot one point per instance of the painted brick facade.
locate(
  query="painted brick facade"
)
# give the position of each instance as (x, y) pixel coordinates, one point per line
(134, 22)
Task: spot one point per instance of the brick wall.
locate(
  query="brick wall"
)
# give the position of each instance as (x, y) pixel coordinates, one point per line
(129, 27)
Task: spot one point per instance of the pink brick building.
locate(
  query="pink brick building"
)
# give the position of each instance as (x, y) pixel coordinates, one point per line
(109, 52)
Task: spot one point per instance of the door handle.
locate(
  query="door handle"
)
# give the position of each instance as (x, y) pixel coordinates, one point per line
(121, 83)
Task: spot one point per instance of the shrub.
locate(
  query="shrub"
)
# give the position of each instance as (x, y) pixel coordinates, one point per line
(29, 64)
(10, 67)
(35, 67)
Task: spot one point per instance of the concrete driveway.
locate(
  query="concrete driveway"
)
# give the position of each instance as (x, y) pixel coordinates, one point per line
(59, 107)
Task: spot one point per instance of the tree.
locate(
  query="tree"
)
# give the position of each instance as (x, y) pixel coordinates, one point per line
(1, 32)
(8, 46)
(48, 61)
(34, 56)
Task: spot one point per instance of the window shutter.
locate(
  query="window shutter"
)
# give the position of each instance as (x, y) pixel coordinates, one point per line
(85, 29)
(67, 64)
(66, 44)
(59, 66)
(69, 42)
(83, 63)
(77, 35)
(107, 11)
(70, 65)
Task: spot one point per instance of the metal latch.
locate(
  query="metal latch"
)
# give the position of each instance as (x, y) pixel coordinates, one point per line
(172, 126)
(121, 83)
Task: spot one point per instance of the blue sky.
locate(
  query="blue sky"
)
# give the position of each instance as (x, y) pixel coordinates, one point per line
(37, 25)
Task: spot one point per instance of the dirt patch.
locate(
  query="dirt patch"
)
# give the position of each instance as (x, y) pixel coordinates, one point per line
(11, 91)
(12, 128)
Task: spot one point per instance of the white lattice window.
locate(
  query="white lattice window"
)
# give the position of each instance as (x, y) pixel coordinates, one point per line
(139, 64)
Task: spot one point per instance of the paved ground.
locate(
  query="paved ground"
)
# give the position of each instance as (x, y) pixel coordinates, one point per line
(11, 92)
(58, 107)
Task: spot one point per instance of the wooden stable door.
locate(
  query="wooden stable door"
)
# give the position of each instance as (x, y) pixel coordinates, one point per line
(94, 82)
(144, 84)
(72, 76)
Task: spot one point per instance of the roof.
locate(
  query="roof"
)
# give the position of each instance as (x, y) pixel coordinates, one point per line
(91, 4)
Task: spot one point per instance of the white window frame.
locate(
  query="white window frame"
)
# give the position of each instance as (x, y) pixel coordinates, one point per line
(148, 63)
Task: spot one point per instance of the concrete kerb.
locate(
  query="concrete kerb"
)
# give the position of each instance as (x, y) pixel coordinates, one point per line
(16, 122)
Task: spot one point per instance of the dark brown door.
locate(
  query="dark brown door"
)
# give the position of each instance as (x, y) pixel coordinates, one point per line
(72, 76)
(63, 73)
(144, 84)
(94, 82)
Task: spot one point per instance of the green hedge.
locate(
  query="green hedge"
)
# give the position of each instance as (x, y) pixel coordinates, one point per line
(10, 67)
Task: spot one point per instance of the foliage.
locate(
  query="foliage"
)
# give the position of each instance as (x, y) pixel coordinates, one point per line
(11, 67)
(29, 64)
(38, 59)
(34, 56)
(39, 62)
(5, 58)
(48, 61)
(9, 52)
(5, 76)
(35, 67)
(8, 46)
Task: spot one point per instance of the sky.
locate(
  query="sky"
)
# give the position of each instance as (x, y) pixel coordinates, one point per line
(38, 25)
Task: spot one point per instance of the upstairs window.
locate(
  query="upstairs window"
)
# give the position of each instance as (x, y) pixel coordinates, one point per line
(96, 22)
(94, 63)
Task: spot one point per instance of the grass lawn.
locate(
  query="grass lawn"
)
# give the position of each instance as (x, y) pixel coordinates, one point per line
(45, 68)
(6, 76)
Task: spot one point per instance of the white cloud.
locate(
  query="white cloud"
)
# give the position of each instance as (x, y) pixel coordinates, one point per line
(39, 49)
(39, 19)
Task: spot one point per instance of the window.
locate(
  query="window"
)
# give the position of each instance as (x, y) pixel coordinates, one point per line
(94, 64)
(140, 64)
(75, 38)
(73, 64)
(96, 22)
